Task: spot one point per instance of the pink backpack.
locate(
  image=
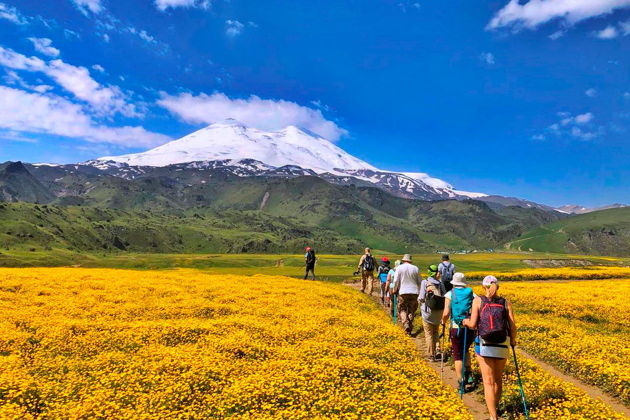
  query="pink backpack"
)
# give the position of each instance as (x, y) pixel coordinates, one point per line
(493, 320)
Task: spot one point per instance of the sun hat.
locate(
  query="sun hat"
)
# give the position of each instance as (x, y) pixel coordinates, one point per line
(488, 280)
(406, 257)
(433, 269)
(385, 259)
(308, 248)
(459, 279)
(397, 264)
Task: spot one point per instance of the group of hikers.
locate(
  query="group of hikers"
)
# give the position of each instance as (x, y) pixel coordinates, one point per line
(445, 299)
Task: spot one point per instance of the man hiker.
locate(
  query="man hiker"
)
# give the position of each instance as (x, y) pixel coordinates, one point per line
(383, 271)
(432, 299)
(407, 280)
(367, 265)
(446, 270)
(310, 259)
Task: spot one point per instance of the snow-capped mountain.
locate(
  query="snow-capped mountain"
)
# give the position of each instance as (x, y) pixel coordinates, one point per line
(234, 141)
(576, 209)
(234, 148)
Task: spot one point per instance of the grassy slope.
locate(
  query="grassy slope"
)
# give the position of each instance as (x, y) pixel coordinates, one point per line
(605, 232)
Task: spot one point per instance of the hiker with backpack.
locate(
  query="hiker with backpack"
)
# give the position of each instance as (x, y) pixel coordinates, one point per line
(457, 307)
(383, 271)
(432, 300)
(446, 269)
(407, 280)
(493, 316)
(310, 260)
(367, 265)
(391, 287)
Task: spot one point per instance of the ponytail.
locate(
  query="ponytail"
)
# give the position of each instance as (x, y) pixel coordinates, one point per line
(492, 291)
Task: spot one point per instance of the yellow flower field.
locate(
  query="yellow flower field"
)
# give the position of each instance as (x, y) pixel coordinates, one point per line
(96, 343)
(560, 273)
(581, 327)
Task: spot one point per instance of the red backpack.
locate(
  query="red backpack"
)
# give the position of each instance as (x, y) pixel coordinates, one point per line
(493, 320)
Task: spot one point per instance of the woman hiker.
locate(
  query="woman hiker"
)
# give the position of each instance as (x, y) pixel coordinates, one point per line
(391, 287)
(457, 307)
(494, 318)
(432, 300)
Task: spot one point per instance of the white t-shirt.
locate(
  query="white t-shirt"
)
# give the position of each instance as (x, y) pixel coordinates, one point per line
(408, 276)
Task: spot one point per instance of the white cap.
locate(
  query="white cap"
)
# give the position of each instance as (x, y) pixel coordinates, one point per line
(488, 280)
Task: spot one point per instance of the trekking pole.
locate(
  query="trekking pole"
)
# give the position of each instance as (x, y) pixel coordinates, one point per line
(520, 384)
(442, 355)
(461, 385)
(395, 307)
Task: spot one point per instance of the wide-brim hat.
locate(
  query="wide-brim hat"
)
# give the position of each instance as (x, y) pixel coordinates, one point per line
(459, 279)
(407, 257)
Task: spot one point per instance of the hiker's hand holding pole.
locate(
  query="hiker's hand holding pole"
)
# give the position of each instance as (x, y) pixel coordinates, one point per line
(512, 342)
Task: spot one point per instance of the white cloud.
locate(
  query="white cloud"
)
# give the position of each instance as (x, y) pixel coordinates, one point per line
(13, 79)
(16, 61)
(98, 68)
(538, 137)
(26, 112)
(106, 38)
(609, 32)
(145, 36)
(581, 134)
(570, 126)
(591, 93)
(76, 80)
(86, 6)
(11, 14)
(265, 114)
(233, 27)
(537, 12)
(557, 35)
(488, 58)
(584, 118)
(165, 4)
(44, 46)
(625, 27)
(626, 95)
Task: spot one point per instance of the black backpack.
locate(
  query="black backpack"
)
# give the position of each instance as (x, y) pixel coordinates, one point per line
(435, 301)
(446, 275)
(310, 257)
(368, 263)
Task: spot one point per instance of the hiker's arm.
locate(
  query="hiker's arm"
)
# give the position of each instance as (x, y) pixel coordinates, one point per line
(423, 291)
(396, 283)
(474, 316)
(447, 311)
(361, 261)
(512, 325)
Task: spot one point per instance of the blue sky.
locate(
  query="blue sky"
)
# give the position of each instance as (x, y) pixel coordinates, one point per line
(527, 99)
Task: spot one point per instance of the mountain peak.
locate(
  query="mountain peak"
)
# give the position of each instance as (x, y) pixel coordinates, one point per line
(232, 140)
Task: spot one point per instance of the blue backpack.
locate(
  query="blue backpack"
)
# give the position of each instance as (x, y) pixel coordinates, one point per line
(461, 303)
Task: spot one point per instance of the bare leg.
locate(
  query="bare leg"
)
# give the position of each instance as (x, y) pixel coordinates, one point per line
(491, 371)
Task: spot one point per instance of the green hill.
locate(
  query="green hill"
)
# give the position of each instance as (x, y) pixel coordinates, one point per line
(190, 211)
(604, 232)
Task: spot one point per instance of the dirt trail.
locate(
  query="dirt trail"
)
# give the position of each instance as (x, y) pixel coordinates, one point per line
(471, 400)
(591, 390)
